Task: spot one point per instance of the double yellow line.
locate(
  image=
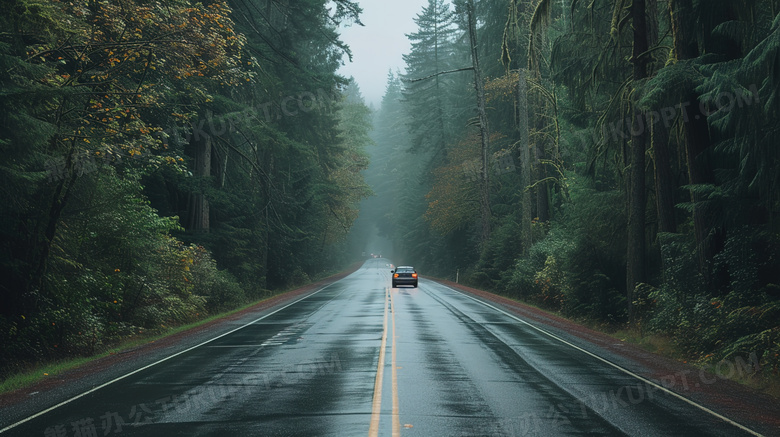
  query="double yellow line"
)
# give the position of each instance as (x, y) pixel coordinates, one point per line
(376, 409)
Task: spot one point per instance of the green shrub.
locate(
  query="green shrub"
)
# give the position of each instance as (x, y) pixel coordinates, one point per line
(578, 266)
(498, 256)
(538, 277)
(113, 270)
(707, 323)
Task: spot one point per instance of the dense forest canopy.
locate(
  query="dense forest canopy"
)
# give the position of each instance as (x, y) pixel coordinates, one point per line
(633, 175)
(613, 160)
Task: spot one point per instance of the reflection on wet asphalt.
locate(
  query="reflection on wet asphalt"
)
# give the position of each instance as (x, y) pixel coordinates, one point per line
(451, 367)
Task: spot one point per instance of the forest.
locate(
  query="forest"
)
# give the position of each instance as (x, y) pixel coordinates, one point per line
(167, 160)
(624, 172)
(609, 160)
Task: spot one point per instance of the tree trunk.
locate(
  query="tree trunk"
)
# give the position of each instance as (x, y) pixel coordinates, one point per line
(709, 239)
(521, 126)
(541, 188)
(439, 104)
(484, 188)
(664, 180)
(199, 204)
(683, 30)
(659, 144)
(540, 192)
(268, 162)
(41, 249)
(697, 139)
(223, 176)
(635, 256)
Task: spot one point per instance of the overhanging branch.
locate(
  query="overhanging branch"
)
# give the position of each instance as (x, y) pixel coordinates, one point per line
(438, 74)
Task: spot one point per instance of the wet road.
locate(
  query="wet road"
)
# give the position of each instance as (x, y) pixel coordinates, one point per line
(359, 357)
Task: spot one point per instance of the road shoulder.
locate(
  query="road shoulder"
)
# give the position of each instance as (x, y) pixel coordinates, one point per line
(749, 407)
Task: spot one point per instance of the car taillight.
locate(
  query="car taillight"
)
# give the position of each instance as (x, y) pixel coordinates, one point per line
(395, 275)
(414, 275)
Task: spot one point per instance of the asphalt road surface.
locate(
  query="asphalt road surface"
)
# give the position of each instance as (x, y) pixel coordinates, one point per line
(360, 358)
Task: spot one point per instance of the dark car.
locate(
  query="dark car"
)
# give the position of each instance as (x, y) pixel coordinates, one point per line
(404, 275)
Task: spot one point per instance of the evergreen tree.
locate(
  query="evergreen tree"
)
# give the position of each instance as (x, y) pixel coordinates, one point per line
(430, 102)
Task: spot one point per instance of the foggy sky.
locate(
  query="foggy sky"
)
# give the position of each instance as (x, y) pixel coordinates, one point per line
(377, 47)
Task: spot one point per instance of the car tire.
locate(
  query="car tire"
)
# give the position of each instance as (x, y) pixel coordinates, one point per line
(394, 286)
(415, 285)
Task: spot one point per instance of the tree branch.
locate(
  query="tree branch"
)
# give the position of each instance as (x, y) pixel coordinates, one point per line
(438, 74)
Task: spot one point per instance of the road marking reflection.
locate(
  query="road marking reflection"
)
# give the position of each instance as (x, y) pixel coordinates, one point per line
(373, 430)
(396, 420)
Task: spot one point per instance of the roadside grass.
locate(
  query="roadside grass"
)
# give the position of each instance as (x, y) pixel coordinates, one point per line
(40, 372)
(655, 343)
(763, 381)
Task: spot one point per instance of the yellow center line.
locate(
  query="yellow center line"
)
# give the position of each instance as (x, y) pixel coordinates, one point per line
(396, 419)
(373, 430)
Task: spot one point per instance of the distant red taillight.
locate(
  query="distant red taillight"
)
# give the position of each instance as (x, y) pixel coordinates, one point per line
(414, 275)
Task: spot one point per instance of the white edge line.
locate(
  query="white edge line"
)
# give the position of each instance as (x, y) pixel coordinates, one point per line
(94, 389)
(616, 366)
